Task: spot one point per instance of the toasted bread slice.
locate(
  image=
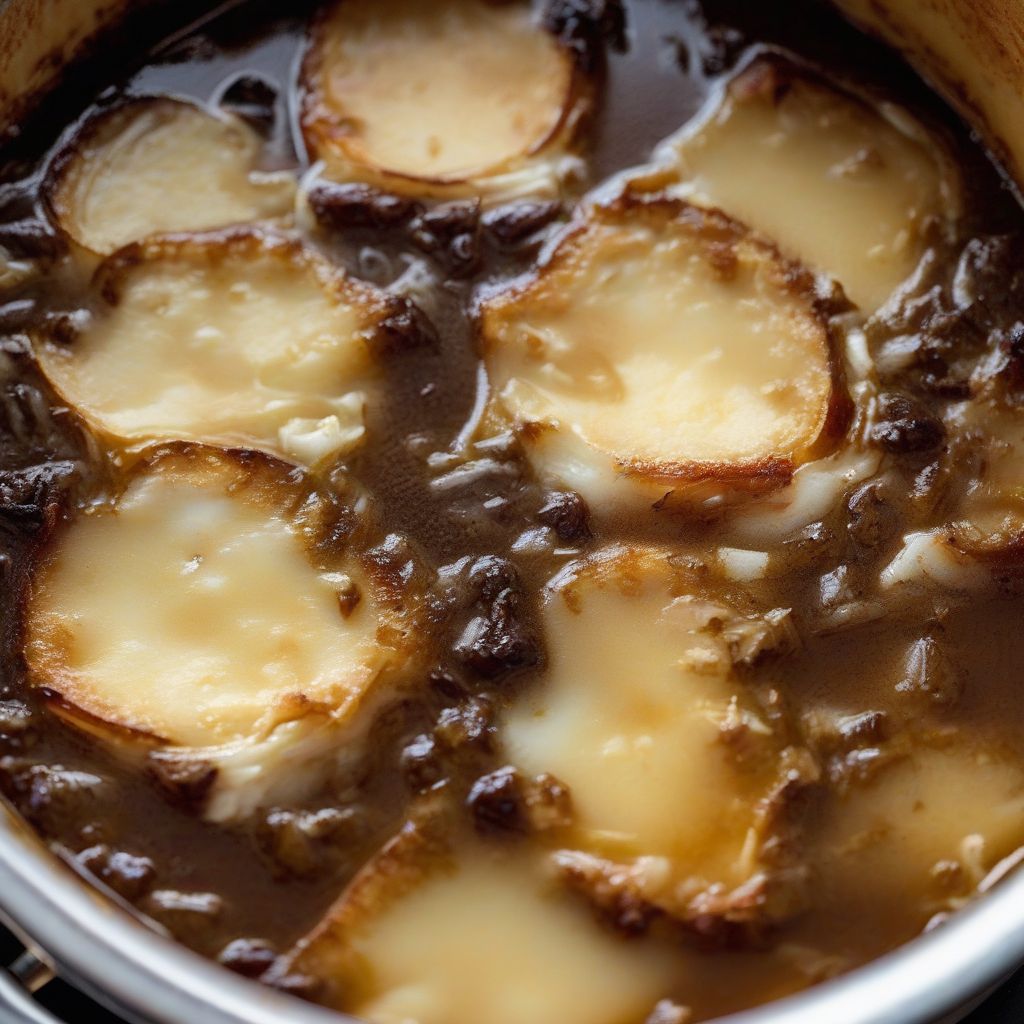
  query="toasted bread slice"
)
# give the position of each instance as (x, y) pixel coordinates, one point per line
(678, 777)
(235, 338)
(468, 935)
(446, 98)
(153, 166)
(152, 625)
(851, 189)
(668, 346)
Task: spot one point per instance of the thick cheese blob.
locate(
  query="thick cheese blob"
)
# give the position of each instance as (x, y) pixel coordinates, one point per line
(190, 616)
(453, 95)
(236, 338)
(641, 715)
(483, 936)
(845, 188)
(921, 818)
(158, 165)
(665, 344)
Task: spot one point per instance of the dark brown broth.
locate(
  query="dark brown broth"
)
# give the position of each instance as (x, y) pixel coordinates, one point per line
(674, 52)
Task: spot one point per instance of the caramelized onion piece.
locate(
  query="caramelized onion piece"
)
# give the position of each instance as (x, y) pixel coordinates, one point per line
(680, 783)
(666, 346)
(158, 165)
(453, 95)
(154, 625)
(237, 338)
(981, 533)
(394, 945)
(855, 191)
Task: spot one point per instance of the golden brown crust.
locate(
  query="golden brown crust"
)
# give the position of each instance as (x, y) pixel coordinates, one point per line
(248, 242)
(261, 477)
(362, 319)
(328, 132)
(71, 161)
(62, 163)
(325, 527)
(723, 240)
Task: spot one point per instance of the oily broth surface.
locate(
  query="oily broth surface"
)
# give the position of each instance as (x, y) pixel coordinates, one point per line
(270, 878)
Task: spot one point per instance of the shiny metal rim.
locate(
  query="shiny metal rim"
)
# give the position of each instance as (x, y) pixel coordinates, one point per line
(151, 980)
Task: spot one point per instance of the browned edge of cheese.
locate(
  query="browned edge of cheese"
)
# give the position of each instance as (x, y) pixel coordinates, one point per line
(323, 129)
(719, 235)
(327, 527)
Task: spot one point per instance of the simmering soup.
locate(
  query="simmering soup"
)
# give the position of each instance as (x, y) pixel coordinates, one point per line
(512, 512)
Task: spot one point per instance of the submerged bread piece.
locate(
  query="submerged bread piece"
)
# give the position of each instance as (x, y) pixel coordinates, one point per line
(158, 165)
(678, 777)
(425, 936)
(441, 97)
(239, 338)
(190, 618)
(852, 190)
(668, 345)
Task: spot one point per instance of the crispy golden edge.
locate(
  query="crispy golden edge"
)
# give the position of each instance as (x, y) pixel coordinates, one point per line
(243, 241)
(723, 238)
(420, 850)
(99, 128)
(323, 130)
(211, 248)
(263, 480)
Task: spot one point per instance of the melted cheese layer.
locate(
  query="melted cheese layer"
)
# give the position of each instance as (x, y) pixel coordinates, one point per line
(631, 717)
(922, 812)
(237, 339)
(672, 343)
(542, 961)
(424, 936)
(160, 165)
(836, 183)
(190, 612)
(384, 94)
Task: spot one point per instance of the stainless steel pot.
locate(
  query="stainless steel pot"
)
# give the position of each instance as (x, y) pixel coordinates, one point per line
(973, 50)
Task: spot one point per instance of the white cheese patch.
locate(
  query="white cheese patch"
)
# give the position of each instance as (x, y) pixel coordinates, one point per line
(816, 489)
(663, 345)
(189, 617)
(633, 717)
(386, 102)
(853, 190)
(239, 339)
(477, 937)
(742, 564)
(931, 557)
(312, 441)
(161, 165)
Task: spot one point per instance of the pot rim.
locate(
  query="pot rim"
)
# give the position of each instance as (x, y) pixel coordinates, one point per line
(151, 979)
